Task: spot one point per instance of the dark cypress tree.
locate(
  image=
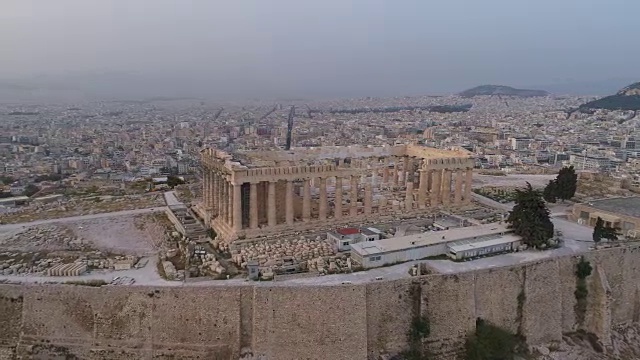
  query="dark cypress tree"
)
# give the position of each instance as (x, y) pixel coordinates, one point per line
(567, 183)
(600, 231)
(530, 217)
(550, 191)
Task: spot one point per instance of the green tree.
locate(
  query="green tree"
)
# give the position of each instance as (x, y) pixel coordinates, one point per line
(6, 180)
(550, 191)
(30, 190)
(173, 181)
(490, 342)
(530, 217)
(600, 231)
(567, 183)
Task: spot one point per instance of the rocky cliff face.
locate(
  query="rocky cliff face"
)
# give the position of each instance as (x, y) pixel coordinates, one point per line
(625, 345)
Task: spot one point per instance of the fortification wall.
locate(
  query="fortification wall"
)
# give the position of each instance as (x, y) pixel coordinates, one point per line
(389, 308)
(336, 322)
(289, 321)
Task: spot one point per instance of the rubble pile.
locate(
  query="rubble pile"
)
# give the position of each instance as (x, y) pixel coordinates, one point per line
(49, 237)
(330, 264)
(18, 263)
(270, 254)
(210, 264)
(624, 344)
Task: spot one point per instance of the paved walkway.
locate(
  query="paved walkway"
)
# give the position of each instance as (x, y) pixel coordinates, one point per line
(171, 199)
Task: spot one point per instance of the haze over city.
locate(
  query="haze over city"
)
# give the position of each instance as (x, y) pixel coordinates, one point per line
(316, 49)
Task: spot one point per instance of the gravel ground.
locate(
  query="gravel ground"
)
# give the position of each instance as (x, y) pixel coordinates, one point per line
(122, 235)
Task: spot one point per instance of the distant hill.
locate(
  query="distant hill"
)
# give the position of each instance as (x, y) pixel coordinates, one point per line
(501, 90)
(584, 87)
(626, 99)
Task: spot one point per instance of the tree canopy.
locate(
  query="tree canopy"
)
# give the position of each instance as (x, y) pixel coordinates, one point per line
(172, 181)
(563, 186)
(600, 231)
(550, 191)
(530, 217)
(30, 190)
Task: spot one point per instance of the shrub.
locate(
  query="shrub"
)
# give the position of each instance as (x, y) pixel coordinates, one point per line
(490, 342)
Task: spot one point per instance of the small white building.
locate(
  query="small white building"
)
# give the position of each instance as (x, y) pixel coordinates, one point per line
(467, 249)
(344, 238)
(414, 247)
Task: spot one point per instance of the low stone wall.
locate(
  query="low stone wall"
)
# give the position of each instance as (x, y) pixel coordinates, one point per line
(324, 322)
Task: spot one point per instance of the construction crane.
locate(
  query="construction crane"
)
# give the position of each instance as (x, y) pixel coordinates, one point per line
(206, 124)
(290, 128)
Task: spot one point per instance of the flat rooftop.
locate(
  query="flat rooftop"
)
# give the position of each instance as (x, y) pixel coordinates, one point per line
(470, 245)
(628, 206)
(428, 239)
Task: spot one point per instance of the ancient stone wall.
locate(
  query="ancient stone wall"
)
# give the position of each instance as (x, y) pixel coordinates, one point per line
(304, 322)
(292, 323)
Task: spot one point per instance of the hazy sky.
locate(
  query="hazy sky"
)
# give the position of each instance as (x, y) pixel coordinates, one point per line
(384, 47)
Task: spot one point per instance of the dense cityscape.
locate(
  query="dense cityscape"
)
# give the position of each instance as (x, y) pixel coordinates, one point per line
(150, 192)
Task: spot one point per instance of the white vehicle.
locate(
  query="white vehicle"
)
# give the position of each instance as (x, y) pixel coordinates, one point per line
(379, 278)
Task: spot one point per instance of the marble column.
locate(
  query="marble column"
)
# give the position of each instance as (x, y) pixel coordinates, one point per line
(353, 209)
(457, 197)
(214, 194)
(368, 197)
(338, 199)
(385, 171)
(206, 186)
(467, 186)
(253, 205)
(408, 197)
(422, 190)
(271, 203)
(223, 202)
(436, 176)
(288, 198)
(446, 187)
(408, 169)
(214, 191)
(237, 207)
(322, 188)
(306, 201)
(219, 190)
(229, 210)
(396, 172)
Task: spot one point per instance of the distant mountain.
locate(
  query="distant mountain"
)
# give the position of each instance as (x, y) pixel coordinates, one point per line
(501, 90)
(584, 87)
(626, 99)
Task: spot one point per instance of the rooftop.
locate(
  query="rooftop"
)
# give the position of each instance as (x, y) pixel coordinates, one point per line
(628, 206)
(428, 239)
(348, 231)
(470, 245)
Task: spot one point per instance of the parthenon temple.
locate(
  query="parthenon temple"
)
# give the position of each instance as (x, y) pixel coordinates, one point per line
(251, 194)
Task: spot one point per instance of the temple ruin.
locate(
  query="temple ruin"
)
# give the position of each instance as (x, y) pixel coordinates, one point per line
(253, 193)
